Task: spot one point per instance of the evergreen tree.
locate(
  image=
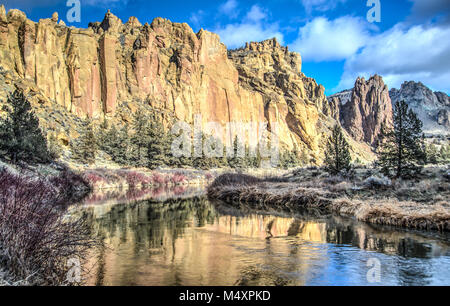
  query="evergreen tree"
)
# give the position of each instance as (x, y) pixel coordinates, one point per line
(432, 154)
(54, 147)
(256, 160)
(140, 140)
(20, 135)
(304, 158)
(289, 159)
(85, 147)
(236, 162)
(206, 162)
(123, 147)
(158, 146)
(337, 154)
(444, 153)
(401, 153)
(183, 160)
(116, 143)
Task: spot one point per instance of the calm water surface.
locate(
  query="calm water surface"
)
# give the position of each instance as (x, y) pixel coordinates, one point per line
(168, 241)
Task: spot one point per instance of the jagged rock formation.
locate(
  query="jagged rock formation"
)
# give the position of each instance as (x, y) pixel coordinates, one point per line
(433, 108)
(364, 109)
(291, 99)
(113, 68)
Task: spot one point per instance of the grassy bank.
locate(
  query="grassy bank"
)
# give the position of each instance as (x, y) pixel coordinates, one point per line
(36, 237)
(366, 195)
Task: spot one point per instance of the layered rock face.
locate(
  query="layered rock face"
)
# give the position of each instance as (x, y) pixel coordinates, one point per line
(111, 66)
(433, 108)
(364, 109)
(291, 99)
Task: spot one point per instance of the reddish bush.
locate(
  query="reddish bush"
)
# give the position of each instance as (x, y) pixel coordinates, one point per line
(178, 178)
(93, 178)
(35, 236)
(134, 178)
(158, 179)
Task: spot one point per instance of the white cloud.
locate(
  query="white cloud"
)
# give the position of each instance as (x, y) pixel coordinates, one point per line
(256, 14)
(229, 8)
(401, 54)
(254, 27)
(328, 40)
(320, 5)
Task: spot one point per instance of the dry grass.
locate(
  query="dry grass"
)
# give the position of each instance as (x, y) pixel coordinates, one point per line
(391, 212)
(366, 202)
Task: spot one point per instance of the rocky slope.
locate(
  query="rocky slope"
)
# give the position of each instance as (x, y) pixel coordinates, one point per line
(364, 109)
(111, 69)
(433, 108)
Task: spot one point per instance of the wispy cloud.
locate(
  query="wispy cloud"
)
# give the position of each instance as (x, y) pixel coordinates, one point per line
(229, 8)
(320, 5)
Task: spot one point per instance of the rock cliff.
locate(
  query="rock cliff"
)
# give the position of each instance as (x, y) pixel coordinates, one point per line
(110, 69)
(433, 108)
(364, 109)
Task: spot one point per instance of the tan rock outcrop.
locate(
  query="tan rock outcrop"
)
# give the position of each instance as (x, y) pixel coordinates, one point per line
(113, 65)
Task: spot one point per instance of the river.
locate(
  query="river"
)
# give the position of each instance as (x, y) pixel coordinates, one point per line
(178, 238)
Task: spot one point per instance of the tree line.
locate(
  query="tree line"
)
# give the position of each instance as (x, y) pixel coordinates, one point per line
(144, 142)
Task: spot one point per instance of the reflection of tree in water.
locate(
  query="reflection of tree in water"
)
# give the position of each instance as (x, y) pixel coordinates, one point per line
(151, 226)
(149, 221)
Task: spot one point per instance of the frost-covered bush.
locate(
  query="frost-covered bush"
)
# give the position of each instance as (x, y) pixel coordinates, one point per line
(375, 182)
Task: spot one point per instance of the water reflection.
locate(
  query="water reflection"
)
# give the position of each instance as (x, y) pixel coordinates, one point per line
(193, 242)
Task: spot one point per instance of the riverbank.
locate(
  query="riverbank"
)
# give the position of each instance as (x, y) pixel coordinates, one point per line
(366, 195)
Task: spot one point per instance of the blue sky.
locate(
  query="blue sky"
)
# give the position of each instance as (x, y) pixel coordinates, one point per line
(335, 39)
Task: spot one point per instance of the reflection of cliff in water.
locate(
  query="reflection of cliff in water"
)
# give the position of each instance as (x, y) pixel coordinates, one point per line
(191, 242)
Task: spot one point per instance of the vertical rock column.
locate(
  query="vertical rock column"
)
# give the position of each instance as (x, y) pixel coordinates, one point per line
(109, 74)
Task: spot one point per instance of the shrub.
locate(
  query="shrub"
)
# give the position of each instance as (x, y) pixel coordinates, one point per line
(35, 236)
(158, 179)
(134, 178)
(234, 179)
(178, 178)
(375, 182)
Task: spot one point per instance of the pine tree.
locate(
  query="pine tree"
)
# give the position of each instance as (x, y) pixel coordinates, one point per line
(304, 158)
(401, 153)
(337, 154)
(116, 142)
(205, 162)
(236, 162)
(444, 153)
(123, 147)
(85, 147)
(158, 146)
(140, 140)
(20, 135)
(289, 159)
(432, 154)
(54, 147)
